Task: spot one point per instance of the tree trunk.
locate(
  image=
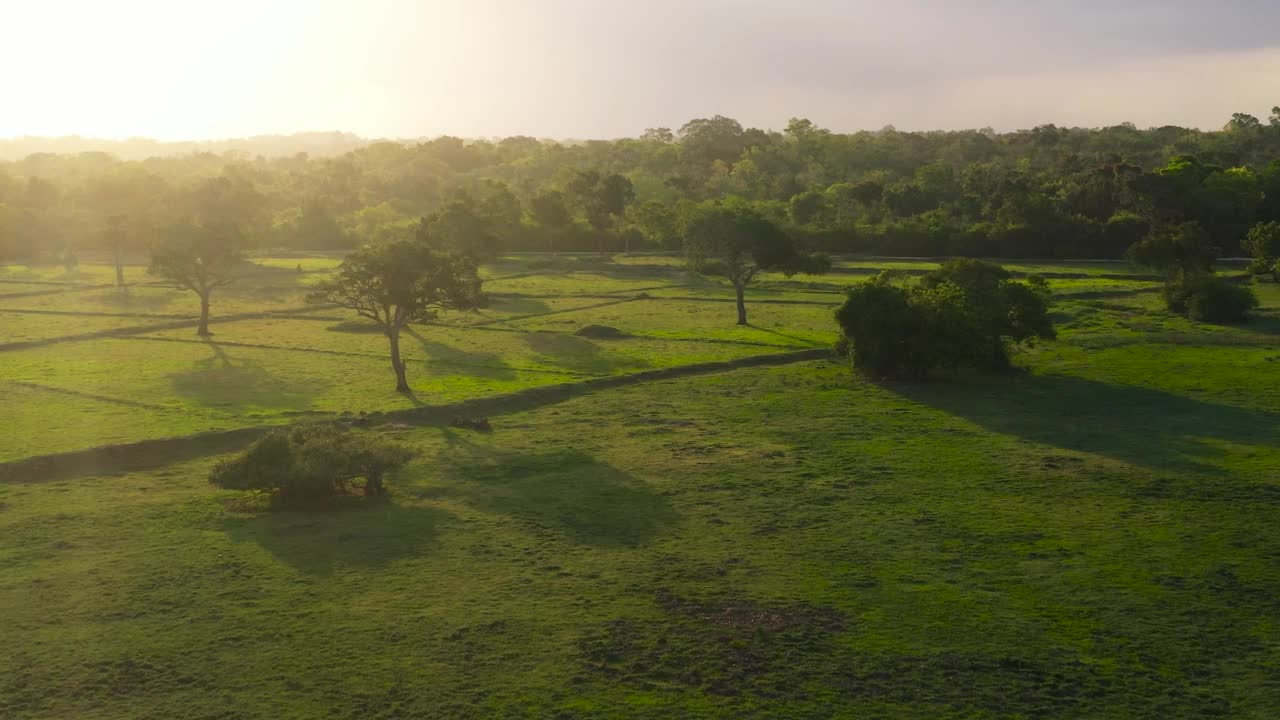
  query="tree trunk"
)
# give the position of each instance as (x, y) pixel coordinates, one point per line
(742, 303)
(373, 485)
(402, 385)
(203, 329)
(119, 269)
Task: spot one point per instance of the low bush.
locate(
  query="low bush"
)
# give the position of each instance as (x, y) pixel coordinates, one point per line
(311, 463)
(1209, 298)
(1218, 300)
(967, 313)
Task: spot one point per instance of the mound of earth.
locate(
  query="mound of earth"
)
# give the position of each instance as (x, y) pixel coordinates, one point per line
(600, 331)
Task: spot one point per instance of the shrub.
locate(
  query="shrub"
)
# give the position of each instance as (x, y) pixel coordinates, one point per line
(1263, 243)
(311, 463)
(1218, 300)
(967, 313)
(1209, 298)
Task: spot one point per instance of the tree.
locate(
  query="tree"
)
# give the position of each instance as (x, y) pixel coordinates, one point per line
(967, 313)
(807, 207)
(656, 222)
(604, 199)
(115, 237)
(199, 259)
(551, 214)
(402, 282)
(736, 241)
(1242, 122)
(1182, 252)
(705, 140)
(461, 227)
(1263, 244)
(659, 135)
(124, 198)
(202, 251)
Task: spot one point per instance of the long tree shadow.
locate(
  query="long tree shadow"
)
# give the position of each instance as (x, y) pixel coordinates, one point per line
(462, 362)
(372, 534)
(129, 299)
(1138, 425)
(579, 354)
(223, 382)
(502, 306)
(794, 339)
(566, 491)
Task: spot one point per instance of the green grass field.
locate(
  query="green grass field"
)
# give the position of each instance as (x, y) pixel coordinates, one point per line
(1093, 537)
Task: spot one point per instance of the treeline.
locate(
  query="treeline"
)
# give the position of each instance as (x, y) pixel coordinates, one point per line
(1046, 192)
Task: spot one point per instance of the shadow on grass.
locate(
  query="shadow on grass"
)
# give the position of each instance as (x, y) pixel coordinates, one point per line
(357, 327)
(1266, 322)
(793, 339)
(565, 491)
(358, 533)
(127, 299)
(505, 306)
(1137, 425)
(461, 362)
(578, 354)
(223, 382)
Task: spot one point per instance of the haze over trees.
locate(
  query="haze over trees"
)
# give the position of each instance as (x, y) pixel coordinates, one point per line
(1044, 192)
(202, 248)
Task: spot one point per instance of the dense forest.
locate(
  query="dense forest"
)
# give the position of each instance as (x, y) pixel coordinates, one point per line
(1048, 192)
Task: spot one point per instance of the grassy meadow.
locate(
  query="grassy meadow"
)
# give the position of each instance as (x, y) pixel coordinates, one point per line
(1093, 537)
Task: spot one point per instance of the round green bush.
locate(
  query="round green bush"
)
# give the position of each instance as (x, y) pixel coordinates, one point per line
(1220, 301)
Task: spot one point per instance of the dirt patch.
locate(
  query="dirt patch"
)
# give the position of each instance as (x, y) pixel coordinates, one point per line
(601, 332)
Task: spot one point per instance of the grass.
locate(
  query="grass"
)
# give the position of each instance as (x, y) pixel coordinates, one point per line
(30, 326)
(1094, 537)
(687, 549)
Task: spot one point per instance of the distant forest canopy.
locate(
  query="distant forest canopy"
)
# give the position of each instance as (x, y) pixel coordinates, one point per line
(1048, 192)
(316, 144)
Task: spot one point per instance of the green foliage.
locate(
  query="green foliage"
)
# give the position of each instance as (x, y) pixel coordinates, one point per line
(311, 463)
(1212, 298)
(603, 198)
(966, 313)
(1263, 244)
(1175, 249)
(735, 240)
(464, 226)
(1050, 192)
(402, 282)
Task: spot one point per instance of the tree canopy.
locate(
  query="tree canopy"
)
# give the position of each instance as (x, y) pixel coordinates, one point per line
(402, 282)
(1043, 192)
(735, 240)
(969, 313)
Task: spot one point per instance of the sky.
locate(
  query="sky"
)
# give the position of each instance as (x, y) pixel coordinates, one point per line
(185, 70)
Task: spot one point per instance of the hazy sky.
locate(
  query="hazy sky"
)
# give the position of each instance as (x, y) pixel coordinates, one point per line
(177, 69)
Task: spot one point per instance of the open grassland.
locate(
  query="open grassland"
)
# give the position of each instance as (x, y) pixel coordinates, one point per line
(274, 358)
(1094, 537)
